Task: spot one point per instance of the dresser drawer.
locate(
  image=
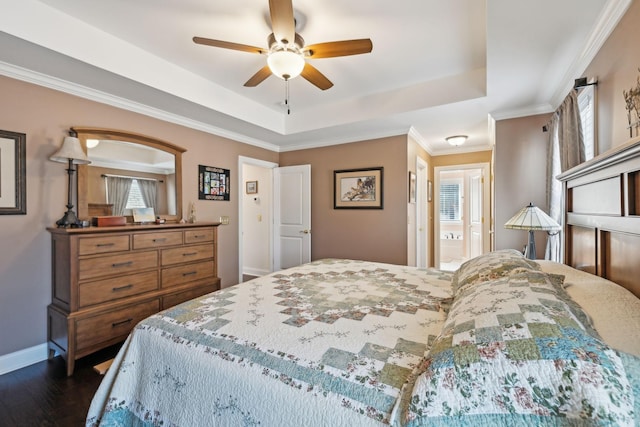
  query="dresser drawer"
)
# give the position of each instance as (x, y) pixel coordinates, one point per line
(186, 254)
(114, 324)
(157, 240)
(117, 264)
(102, 244)
(198, 236)
(100, 291)
(175, 276)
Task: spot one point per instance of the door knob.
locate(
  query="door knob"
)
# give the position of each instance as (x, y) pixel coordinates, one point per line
(305, 231)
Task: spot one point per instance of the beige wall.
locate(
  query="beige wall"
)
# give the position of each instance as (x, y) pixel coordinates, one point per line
(370, 234)
(45, 115)
(616, 68)
(520, 176)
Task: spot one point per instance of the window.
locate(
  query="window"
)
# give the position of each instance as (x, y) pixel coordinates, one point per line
(135, 199)
(450, 201)
(586, 104)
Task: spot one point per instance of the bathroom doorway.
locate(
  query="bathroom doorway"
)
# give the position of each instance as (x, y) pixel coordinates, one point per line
(461, 207)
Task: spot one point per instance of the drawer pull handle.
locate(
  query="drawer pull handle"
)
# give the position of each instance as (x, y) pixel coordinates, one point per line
(122, 288)
(190, 253)
(122, 322)
(103, 245)
(163, 239)
(121, 264)
(190, 273)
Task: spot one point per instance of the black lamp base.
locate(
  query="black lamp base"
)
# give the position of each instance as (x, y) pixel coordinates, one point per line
(69, 220)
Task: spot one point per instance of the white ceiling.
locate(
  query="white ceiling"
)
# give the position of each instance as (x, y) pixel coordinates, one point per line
(438, 68)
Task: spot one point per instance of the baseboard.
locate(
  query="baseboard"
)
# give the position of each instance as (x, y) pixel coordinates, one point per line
(21, 358)
(254, 271)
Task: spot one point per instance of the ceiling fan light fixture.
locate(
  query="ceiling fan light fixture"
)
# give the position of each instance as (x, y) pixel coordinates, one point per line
(286, 64)
(457, 140)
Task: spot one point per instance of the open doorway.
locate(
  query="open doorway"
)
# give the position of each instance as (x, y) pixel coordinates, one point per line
(255, 217)
(274, 221)
(461, 207)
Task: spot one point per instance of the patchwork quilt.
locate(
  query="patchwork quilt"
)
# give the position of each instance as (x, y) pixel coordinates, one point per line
(333, 342)
(353, 343)
(516, 350)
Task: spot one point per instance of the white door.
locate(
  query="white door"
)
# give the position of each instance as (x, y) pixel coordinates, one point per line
(292, 216)
(475, 213)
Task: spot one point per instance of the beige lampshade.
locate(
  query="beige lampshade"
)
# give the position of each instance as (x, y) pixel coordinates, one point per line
(532, 218)
(71, 150)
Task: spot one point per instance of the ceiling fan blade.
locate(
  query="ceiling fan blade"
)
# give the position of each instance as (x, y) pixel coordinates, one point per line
(311, 73)
(229, 45)
(259, 77)
(340, 48)
(283, 23)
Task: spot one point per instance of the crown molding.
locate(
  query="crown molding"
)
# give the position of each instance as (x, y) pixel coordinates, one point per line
(34, 77)
(613, 11)
(413, 133)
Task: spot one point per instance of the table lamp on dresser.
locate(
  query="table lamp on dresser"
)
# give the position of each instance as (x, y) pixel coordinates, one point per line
(72, 153)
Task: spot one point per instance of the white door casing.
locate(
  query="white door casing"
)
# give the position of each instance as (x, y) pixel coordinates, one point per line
(292, 216)
(475, 237)
(422, 215)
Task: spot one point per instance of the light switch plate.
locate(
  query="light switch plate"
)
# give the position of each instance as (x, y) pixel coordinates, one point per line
(224, 220)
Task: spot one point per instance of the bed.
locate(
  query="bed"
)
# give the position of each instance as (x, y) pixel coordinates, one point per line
(501, 341)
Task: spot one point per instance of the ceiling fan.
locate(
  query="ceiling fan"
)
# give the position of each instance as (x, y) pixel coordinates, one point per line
(287, 52)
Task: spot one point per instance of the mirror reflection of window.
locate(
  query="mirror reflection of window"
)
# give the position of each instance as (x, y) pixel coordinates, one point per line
(450, 201)
(149, 175)
(135, 199)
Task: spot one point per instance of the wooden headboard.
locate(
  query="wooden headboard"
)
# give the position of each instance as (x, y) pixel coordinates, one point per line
(602, 216)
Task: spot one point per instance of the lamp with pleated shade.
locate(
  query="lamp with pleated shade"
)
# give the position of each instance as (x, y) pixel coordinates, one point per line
(72, 153)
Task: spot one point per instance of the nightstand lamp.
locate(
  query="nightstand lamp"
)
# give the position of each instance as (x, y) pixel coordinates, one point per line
(532, 218)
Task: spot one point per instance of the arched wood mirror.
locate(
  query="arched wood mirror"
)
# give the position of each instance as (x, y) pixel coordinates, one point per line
(152, 166)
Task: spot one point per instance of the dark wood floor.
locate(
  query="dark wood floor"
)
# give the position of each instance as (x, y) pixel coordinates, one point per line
(42, 395)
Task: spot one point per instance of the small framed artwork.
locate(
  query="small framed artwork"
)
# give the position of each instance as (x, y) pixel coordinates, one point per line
(252, 187)
(412, 187)
(13, 182)
(213, 183)
(358, 188)
(429, 191)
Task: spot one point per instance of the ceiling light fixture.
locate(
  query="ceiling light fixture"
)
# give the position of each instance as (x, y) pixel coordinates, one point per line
(457, 140)
(286, 63)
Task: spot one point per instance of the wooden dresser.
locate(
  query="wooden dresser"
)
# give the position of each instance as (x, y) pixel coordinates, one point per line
(106, 279)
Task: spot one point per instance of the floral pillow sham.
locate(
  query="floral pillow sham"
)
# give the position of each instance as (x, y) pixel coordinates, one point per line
(512, 352)
(490, 266)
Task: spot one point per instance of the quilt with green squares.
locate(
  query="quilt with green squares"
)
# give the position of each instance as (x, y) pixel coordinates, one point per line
(515, 350)
(333, 342)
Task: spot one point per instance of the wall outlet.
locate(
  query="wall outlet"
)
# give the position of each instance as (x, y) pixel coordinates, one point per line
(224, 220)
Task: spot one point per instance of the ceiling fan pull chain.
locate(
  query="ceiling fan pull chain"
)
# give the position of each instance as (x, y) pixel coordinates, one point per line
(286, 95)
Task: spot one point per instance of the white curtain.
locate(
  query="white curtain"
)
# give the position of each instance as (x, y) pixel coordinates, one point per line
(118, 193)
(565, 150)
(149, 191)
